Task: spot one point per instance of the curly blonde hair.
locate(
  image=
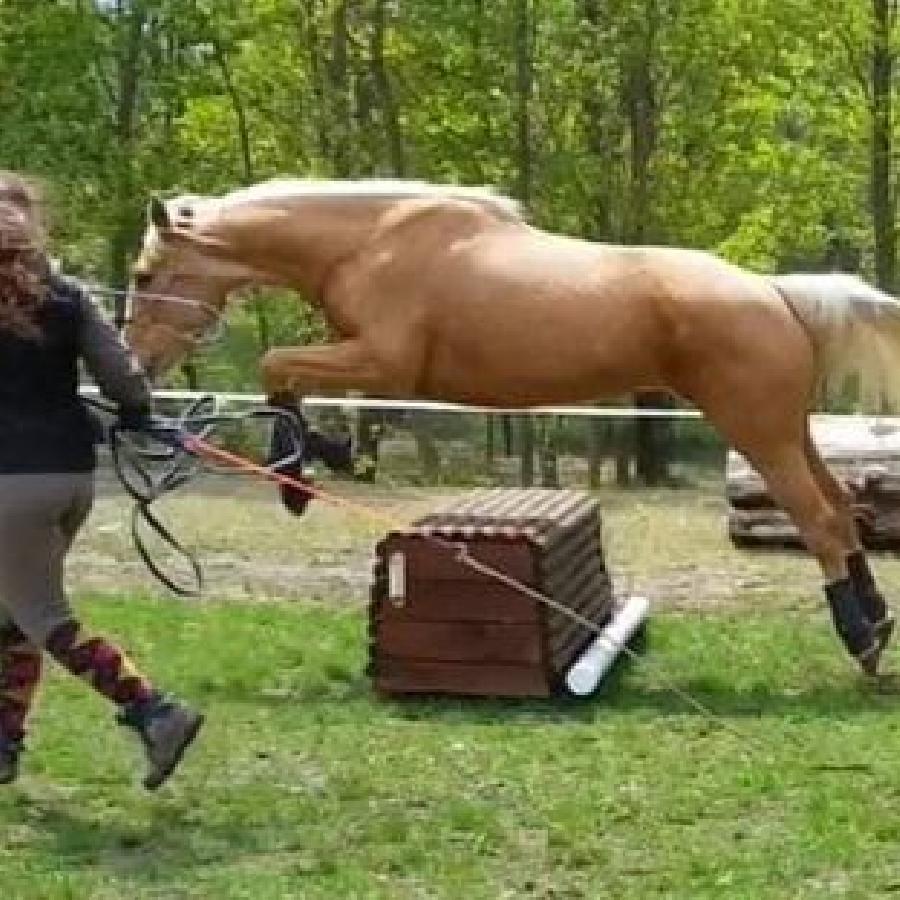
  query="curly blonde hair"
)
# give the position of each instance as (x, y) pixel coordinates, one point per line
(22, 192)
(23, 271)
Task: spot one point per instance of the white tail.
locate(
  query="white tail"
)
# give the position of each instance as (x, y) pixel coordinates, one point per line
(856, 329)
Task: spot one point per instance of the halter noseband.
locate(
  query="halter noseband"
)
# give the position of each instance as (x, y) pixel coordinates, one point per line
(121, 313)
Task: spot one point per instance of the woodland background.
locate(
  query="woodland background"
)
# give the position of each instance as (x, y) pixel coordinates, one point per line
(763, 130)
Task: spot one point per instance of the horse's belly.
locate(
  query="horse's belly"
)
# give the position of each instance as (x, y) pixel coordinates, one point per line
(522, 363)
(526, 318)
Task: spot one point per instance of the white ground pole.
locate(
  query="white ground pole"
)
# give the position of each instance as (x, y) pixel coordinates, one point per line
(589, 669)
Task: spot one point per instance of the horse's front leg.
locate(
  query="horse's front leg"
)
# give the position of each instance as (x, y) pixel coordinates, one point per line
(288, 374)
(332, 368)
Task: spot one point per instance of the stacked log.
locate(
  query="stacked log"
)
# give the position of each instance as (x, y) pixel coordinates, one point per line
(863, 453)
(437, 625)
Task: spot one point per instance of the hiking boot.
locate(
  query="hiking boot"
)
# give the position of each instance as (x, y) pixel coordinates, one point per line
(166, 729)
(9, 760)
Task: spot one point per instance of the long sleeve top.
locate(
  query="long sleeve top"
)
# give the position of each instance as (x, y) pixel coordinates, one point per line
(44, 426)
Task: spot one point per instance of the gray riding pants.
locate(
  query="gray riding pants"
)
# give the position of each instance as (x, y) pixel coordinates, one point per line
(40, 514)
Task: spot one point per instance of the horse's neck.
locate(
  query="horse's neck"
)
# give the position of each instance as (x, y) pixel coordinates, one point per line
(298, 243)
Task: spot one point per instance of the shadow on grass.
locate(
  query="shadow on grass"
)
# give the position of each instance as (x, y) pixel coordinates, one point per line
(159, 843)
(622, 693)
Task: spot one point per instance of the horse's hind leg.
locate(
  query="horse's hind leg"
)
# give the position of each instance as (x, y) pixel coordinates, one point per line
(834, 491)
(873, 604)
(786, 470)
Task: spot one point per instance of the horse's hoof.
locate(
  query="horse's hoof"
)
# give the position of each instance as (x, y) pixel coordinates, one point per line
(883, 631)
(294, 500)
(293, 496)
(868, 660)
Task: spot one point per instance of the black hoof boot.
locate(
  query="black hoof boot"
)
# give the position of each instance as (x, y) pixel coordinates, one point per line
(871, 600)
(855, 631)
(336, 453)
(288, 435)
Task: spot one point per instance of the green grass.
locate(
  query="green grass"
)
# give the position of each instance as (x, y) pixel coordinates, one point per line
(305, 785)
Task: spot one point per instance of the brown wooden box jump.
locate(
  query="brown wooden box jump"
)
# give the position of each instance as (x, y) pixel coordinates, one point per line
(437, 626)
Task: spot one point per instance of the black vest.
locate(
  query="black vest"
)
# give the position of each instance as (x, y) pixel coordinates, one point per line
(44, 426)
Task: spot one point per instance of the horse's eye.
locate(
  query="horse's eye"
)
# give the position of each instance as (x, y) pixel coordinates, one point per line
(142, 280)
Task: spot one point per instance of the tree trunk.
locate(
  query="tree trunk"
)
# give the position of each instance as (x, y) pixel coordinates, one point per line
(339, 85)
(191, 375)
(639, 86)
(625, 453)
(385, 89)
(524, 163)
(883, 210)
(368, 425)
(652, 439)
(524, 90)
(339, 78)
(131, 21)
(549, 458)
(597, 442)
(240, 112)
(248, 172)
(526, 450)
(490, 440)
(602, 135)
(309, 29)
(426, 447)
(642, 106)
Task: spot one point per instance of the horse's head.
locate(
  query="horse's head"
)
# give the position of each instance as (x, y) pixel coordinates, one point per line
(180, 284)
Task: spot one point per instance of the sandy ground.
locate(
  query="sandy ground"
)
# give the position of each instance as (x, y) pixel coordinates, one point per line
(668, 545)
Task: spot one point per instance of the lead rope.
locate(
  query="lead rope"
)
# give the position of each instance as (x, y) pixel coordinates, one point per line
(461, 554)
(132, 465)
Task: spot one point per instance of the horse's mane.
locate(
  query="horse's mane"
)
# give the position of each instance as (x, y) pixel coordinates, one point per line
(831, 291)
(282, 189)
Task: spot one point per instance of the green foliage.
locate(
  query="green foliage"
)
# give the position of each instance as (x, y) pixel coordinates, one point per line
(740, 127)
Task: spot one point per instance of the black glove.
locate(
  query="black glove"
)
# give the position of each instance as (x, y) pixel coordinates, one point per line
(158, 428)
(168, 432)
(134, 418)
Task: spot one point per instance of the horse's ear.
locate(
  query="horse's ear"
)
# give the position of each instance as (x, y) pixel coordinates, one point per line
(158, 214)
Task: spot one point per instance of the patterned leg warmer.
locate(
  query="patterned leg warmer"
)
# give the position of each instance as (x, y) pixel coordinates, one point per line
(20, 674)
(99, 663)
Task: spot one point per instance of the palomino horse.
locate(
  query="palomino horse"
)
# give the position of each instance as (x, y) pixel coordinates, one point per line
(447, 293)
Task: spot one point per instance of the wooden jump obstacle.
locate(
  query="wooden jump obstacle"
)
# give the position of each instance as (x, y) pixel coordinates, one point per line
(438, 626)
(863, 453)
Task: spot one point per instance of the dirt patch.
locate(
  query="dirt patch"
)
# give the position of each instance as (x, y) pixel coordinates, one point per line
(670, 546)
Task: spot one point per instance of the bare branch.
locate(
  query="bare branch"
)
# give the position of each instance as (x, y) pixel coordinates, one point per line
(857, 66)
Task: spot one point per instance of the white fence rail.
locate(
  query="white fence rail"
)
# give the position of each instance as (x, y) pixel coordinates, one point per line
(595, 412)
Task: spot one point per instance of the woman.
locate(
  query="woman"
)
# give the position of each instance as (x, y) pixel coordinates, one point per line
(47, 460)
